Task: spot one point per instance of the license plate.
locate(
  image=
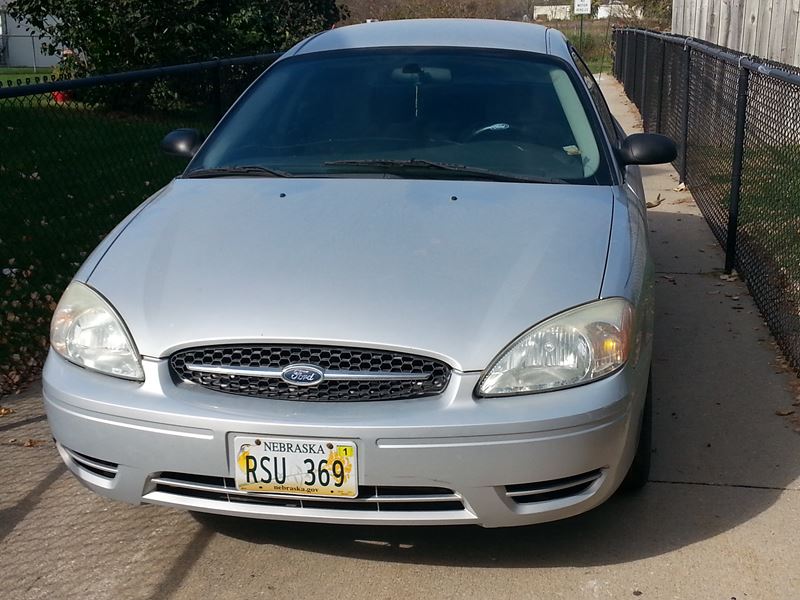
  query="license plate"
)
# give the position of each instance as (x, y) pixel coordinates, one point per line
(307, 467)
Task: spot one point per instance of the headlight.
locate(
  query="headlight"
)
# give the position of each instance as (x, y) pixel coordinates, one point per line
(574, 347)
(86, 330)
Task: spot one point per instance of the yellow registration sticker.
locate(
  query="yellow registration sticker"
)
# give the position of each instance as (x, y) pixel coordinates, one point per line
(307, 467)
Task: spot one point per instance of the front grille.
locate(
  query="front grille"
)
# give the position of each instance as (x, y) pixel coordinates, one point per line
(555, 489)
(370, 498)
(350, 374)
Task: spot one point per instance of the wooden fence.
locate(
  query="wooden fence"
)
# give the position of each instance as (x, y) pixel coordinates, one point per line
(764, 28)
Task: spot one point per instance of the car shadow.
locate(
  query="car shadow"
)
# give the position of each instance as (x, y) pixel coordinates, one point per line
(721, 455)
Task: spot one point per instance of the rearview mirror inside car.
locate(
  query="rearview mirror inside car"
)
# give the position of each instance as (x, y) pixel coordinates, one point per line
(647, 149)
(182, 142)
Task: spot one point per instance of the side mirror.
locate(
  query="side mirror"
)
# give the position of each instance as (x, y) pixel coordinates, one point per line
(647, 149)
(182, 142)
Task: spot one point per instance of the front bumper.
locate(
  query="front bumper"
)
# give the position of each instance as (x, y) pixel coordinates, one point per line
(450, 459)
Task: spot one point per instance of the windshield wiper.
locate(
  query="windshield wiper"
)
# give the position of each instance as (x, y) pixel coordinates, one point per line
(242, 171)
(415, 163)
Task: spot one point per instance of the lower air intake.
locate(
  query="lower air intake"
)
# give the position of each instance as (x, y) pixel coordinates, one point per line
(370, 498)
(555, 489)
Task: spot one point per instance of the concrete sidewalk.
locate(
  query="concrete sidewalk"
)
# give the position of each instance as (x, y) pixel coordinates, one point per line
(719, 520)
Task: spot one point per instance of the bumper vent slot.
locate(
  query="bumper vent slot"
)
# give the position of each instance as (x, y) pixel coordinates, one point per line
(101, 468)
(370, 498)
(349, 374)
(555, 489)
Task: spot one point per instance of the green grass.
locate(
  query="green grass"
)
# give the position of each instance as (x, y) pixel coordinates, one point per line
(768, 243)
(596, 40)
(15, 70)
(769, 208)
(769, 238)
(68, 174)
(599, 65)
(11, 76)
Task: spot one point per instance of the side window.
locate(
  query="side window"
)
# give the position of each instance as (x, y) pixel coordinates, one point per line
(597, 97)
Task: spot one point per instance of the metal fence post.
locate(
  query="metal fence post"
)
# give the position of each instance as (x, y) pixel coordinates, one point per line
(632, 95)
(660, 97)
(643, 95)
(33, 55)
(216, 83)
(632, 65)
(625, 52)
(687, 59)
(736, 171)
(630, 51)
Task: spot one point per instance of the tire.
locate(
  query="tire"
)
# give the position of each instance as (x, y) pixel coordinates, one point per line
(639, 472)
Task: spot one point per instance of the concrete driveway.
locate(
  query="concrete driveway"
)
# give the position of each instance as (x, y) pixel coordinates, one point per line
(718, 521)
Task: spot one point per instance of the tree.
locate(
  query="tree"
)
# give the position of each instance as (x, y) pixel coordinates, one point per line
(658, 10)
(383, 10)
(118, 35)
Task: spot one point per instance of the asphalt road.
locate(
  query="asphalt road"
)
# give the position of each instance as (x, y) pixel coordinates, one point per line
(718, 521)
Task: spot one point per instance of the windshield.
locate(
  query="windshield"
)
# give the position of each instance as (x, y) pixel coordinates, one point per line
(411, 113)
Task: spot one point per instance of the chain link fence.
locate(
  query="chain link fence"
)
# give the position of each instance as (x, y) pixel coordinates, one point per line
(77, 156)
(736, 121)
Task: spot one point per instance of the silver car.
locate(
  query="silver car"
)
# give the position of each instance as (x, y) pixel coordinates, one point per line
(404, 281)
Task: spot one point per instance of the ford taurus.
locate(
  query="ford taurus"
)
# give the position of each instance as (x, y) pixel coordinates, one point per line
(405, 280)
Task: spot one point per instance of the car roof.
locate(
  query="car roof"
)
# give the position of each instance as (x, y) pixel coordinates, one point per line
(464, 33)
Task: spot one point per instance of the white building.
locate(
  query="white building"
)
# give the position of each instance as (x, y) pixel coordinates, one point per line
(552, 12)
(617, 10)
(19, 47)
(561, 12)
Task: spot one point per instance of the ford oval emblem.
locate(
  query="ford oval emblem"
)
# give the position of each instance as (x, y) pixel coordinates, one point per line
(302, 375)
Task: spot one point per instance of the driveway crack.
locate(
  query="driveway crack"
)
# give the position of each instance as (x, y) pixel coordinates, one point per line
(727, 485)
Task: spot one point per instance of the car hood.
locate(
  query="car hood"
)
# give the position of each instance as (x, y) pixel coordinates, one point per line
(451, 269)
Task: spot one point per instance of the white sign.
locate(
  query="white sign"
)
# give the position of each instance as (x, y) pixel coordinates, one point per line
(582, 7)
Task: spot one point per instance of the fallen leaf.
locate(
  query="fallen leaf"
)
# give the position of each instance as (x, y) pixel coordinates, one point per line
(31, 443)
(784, 412)
(5, 411)
(655, 202)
